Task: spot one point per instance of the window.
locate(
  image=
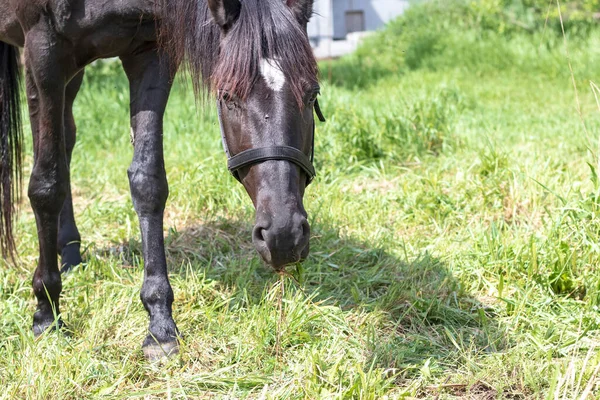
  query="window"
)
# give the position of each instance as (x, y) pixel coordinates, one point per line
(355, 21)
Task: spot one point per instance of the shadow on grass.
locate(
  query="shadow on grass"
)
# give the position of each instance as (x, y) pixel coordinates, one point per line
(430, 320)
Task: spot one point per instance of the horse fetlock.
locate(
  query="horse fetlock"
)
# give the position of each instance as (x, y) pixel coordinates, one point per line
(157, 297)
(47, 287)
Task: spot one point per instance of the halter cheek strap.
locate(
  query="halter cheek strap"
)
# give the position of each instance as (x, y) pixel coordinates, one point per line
(262, 154)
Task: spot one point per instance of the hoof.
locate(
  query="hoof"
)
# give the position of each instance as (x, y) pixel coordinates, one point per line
(43, 325)
(159, 351)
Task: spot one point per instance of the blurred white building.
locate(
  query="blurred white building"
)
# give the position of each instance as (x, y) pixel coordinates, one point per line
(338, 25)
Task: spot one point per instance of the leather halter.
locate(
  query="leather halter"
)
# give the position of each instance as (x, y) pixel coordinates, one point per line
(262, 154)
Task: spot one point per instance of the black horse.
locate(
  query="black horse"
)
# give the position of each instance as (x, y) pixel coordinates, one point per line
(254, 55)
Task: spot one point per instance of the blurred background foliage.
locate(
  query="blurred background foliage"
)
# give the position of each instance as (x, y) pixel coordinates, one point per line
(477, 35)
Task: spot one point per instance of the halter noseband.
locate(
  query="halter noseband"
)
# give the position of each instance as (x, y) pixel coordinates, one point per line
(262, 154)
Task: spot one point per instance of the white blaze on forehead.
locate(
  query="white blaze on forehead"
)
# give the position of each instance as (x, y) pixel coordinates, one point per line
(272, 74)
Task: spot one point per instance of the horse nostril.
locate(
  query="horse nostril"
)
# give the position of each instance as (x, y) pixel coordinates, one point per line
(305, 229)
(259, 234)
(259, 237)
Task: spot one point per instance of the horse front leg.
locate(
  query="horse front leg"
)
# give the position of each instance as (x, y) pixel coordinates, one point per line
(150, 85)
(47, 66)
(69, 240)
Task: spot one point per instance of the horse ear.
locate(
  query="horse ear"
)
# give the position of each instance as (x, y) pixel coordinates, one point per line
(225, 12)
(303, 9)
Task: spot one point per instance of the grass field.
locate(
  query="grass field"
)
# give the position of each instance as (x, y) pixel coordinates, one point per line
(455, 246)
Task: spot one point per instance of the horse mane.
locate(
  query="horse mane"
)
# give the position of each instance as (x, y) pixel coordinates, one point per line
(265, 29)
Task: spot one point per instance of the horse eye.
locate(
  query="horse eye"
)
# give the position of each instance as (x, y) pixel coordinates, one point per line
(226, 96)
(229, 99)
(313, 98)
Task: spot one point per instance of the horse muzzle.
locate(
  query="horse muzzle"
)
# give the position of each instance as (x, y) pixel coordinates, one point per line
(281, 241)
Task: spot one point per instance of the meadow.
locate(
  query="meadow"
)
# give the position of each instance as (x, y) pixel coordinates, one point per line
(455, 233)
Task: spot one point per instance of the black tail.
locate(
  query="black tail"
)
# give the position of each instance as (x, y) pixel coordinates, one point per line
(11, 137)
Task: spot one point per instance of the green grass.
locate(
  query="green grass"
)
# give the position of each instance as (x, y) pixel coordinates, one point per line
(455, 246)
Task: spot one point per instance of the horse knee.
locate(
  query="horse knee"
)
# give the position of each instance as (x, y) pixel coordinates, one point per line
(48, 190)
(149, 188)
